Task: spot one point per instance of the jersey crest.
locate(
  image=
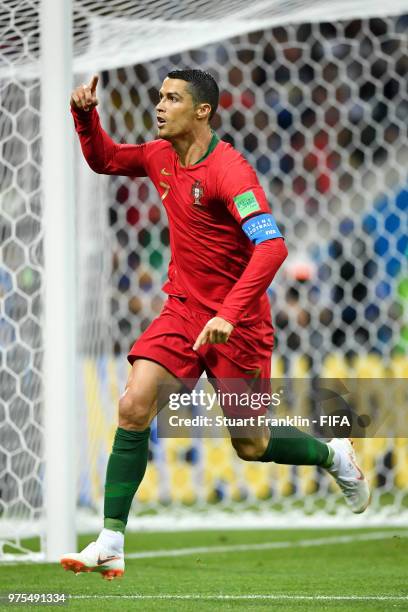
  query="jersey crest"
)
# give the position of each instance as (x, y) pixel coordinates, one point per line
(197, 192)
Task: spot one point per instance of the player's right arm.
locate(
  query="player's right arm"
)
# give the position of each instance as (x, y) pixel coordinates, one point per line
(103, 155)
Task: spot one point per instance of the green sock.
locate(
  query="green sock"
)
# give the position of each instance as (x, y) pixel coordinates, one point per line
(126, 468)
(298, 448)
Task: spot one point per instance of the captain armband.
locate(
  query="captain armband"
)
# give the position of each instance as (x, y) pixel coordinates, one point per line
(260, 228)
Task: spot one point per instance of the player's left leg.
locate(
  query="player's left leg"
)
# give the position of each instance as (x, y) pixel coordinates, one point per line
(294, 447)
(284, 445)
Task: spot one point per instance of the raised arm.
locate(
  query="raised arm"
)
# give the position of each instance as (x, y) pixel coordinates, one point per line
(103, 155)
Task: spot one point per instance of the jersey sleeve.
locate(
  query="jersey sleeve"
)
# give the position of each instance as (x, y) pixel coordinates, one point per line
(258, 275)
(102, 154)
(239, 188)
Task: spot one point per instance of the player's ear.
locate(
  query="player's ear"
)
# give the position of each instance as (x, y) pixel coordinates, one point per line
(203, 110)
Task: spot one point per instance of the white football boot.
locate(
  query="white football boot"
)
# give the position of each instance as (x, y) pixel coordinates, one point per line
(95, 558)
(348, 475)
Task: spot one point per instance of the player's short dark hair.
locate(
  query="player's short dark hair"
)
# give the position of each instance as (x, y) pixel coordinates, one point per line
(202, 86)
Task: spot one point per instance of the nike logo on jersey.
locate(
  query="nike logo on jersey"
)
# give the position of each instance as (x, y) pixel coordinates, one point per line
(103, 560)
(164, 172)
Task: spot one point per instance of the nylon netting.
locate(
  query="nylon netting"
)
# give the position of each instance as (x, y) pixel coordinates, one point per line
(320, 110)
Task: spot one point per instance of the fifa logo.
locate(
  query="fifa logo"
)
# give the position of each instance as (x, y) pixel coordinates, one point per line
(197, 193)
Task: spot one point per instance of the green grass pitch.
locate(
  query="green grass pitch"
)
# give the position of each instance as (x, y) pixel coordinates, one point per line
(364, 569)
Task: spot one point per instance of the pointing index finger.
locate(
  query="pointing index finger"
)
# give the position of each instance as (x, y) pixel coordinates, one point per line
(93, 83)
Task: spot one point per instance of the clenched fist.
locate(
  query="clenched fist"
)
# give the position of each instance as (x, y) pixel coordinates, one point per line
(84, 96)
(216, 331)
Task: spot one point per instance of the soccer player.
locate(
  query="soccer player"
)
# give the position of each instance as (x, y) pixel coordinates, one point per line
(225, 251)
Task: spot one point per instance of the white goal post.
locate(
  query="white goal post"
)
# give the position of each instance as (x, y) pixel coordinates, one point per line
(60, 260)
(83, 273)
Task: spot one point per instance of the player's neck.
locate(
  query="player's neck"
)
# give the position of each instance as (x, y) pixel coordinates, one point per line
(193, 146)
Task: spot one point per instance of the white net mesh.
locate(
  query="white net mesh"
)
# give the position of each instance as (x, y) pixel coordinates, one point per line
(20, 303)
(322, 118)
(320, 110)
(120, 32)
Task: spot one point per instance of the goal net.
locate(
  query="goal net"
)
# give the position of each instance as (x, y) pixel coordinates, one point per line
(317, 103)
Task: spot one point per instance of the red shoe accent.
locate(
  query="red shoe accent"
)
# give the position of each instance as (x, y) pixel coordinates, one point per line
(74, 566)
(112, 574)
(77, 567)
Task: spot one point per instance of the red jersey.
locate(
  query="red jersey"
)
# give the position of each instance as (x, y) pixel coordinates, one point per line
(205, 204)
